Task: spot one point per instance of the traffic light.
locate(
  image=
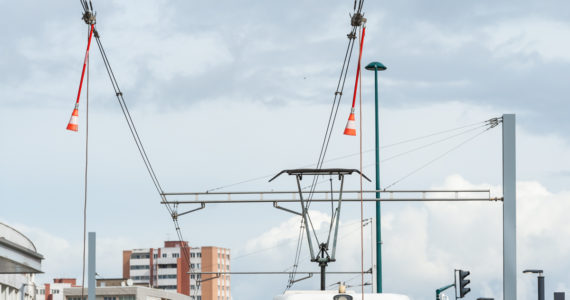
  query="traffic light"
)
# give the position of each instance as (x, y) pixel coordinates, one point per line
(463, 282)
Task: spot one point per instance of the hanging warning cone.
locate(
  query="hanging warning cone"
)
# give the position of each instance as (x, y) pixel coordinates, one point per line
(73, 122)
(351, 124)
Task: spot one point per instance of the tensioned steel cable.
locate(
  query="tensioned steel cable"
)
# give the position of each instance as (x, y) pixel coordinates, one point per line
(331, 122)
(86, 173)
(86, 12)
(343, 76)
(332, 117)
(137, 139)
(354, 154)
(486, 124)
(436, 158)
(140, 147)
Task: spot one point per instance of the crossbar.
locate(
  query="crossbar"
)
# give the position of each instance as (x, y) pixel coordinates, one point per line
(224, 201)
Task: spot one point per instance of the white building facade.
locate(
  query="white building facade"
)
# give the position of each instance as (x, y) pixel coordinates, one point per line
(19, 261)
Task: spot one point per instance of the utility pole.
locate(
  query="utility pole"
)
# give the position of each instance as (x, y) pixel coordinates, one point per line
(540, 282)
(509, 209)
(376, 66)
(91, 284)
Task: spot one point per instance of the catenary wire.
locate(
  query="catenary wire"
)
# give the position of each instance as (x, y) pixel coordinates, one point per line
(331, 121)
(353, 154)
(138, 142)
(417, 149)
(86, 173)
(436, 158)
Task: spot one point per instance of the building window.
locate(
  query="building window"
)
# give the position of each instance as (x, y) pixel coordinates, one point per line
(175, 255)
(199, 254)
(128, 297)
(227, 256)
(76, 298)
(144, 267)
(167, 276)
(155, 255)
(109, 298)
(140, 255)
(198, 266)
(55, 291)
(166, 266)
(163, 255)
(167, 287)
(192, 254)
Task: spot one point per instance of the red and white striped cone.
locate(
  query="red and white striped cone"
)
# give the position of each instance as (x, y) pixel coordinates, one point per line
(351, 124)
(73, 122)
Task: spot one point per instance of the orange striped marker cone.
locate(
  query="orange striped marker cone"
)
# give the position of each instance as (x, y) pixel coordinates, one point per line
(73, 122)
(351, 124)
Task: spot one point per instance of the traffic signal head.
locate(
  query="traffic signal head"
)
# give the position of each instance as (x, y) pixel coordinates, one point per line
(463, 282)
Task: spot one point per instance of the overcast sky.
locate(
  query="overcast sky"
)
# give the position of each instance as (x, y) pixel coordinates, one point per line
(235, 90)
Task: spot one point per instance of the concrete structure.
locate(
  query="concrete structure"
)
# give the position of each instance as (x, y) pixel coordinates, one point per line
(106, 282)
(124, 293)
(168, 268)
(54, 291)
(19, 261)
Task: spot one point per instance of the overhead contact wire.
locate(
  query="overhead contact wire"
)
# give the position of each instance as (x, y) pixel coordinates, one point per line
(331, 123)
(138, 142)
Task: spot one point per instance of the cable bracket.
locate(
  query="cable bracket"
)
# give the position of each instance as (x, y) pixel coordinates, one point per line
(357, 19)
(89, 18)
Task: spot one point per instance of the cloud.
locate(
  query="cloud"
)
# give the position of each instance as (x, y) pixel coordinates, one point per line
(526, 37)
(422, 244)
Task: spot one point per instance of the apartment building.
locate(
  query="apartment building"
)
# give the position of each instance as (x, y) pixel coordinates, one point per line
(168, 268)
(54, 291)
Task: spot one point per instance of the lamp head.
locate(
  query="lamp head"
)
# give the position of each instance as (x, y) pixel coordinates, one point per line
(375, 66)
(535, 271)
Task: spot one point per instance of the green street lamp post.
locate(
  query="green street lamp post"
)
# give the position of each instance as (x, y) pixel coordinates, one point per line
(376, 66)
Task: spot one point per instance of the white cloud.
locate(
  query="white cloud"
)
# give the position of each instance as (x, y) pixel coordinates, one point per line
(530, 36)
(424, 243)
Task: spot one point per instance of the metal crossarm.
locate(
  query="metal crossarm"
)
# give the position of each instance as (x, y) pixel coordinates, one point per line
(324, 196)
(319, 172)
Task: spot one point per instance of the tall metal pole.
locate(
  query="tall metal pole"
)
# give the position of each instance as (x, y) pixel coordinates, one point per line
(91, 268)
(540, 287)
(376, 66)
(509, 209)
(378, 207)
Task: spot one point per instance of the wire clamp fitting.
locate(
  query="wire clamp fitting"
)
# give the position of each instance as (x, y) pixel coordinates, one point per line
(357, 19)
(494, 122)
(89, 18)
